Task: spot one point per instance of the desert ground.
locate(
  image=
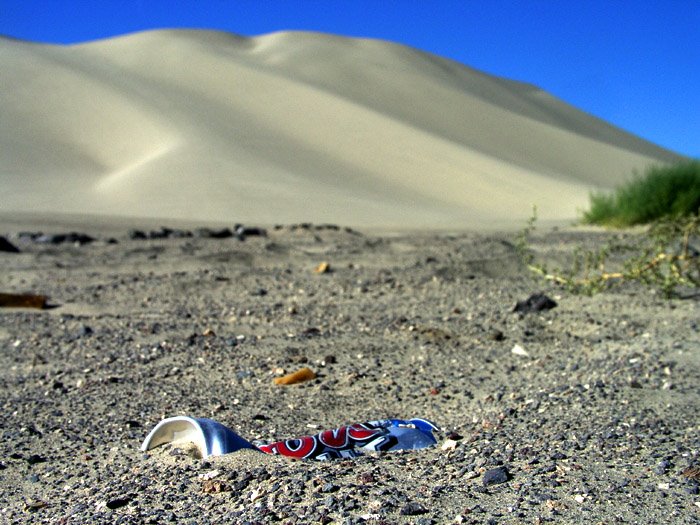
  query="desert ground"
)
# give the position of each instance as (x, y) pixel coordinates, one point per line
(407, 177)
(594, 421)
(292, 127)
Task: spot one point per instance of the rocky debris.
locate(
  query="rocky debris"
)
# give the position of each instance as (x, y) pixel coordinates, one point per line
(581, 444)
(56, 238)
(136, 235)
(163, 233)
(412, 509)
(239, 231)
(209, 233)
(242, 231)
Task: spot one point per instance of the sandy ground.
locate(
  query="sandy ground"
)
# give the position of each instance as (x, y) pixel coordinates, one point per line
(596, 424)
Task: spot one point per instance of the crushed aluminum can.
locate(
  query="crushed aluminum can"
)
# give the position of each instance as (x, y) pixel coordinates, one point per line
(214, 439)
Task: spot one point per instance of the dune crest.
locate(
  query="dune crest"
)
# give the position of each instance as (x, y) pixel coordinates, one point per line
(291, 127)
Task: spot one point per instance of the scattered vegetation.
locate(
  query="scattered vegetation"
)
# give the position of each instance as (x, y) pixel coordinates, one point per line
(662, 257)
(662, 192)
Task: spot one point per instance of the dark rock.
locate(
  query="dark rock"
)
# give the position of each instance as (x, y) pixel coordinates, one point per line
(35, 458)
(208, 233)
(118, 502)
(7, 247)
(60, 238)
(495, 476)
(412, 508)
(163, 233)
(496, 335)
(535, 303)
(136, 235)
(79, 238)
(28, 236)
(249, 231)
(84, 331)
(312, 331)
(180, 234)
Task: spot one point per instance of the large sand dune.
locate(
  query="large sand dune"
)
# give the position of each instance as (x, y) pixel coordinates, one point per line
(290, 127)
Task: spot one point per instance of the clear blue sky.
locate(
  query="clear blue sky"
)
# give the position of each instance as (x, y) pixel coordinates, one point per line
(633, 63)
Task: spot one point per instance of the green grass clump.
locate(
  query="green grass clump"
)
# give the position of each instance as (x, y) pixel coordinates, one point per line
(662, 192)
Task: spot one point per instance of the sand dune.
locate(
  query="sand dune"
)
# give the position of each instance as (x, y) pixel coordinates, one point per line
(292, 127)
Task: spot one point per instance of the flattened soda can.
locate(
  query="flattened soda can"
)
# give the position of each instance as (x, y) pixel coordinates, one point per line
(353, 440)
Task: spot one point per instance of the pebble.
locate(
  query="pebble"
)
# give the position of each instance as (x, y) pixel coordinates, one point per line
(412, 508)
(495, 476)
(537, 302)
(119, 502)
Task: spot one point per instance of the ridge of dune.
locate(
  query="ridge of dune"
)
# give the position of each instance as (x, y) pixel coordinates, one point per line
(291, 127)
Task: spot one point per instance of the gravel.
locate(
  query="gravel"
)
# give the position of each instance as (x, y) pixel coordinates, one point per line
(596, 421)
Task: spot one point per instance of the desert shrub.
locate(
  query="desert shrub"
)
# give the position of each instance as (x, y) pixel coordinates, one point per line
(669, 191)
(664, 256)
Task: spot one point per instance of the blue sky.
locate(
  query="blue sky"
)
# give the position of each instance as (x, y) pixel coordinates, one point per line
(635, 64)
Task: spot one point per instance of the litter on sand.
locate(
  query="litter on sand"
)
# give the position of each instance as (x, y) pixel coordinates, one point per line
(14, 300)
(300, 376)
(211, 438)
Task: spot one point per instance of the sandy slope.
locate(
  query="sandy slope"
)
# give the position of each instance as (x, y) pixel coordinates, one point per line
(291, 127)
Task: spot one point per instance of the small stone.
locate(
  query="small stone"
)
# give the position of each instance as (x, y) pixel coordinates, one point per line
(449, 444)
(84, 331)
(250, 231)
(412, 508)
(215, 486)
(118, 502)
(496, 335)
(366, 477)
(535, 303)
(35, 458)
(209, 475)
(495, 476)
(34, 505)
(136, 235)
(7, 247)
(519, 350)
(208, 233)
